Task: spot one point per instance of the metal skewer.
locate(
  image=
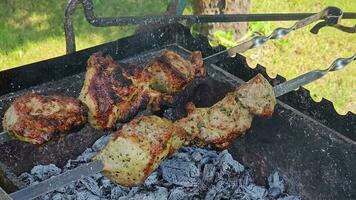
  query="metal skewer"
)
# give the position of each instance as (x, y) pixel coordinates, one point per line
(255, 42)
(309, 77)
(98, 166)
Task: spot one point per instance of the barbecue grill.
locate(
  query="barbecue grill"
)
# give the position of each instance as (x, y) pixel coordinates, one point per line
(308, 141)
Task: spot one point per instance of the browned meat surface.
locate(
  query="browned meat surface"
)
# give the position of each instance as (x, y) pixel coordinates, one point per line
(229, 118)
(108, 93)
(136, 150)
(170, 72)
(116, 93)
(36, 118)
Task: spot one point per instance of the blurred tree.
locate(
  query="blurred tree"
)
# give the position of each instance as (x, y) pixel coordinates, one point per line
(217, 7)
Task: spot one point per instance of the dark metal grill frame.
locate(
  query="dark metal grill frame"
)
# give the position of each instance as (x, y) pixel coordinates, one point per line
(307, 141)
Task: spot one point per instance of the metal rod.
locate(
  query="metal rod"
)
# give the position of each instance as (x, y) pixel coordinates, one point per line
(68, 26)
(309, 77)
(191, 19)
(187, 19)
(4, 195)
(59, 181)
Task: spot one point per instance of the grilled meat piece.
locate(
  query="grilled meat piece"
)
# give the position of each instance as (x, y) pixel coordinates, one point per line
(136, 150)
(170, 73)
(36, 118)
(108, 93)
(115, 92)
(229, 118)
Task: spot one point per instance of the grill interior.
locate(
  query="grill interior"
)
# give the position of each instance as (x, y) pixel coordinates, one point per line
(312, 151)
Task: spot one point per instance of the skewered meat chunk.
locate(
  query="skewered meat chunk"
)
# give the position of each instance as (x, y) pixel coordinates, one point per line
(36, 118)
(108, 93)
(136, 150)
(228, 119)
(115, 93)
(170, 72)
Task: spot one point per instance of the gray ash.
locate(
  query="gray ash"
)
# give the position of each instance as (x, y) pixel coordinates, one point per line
(192, 173)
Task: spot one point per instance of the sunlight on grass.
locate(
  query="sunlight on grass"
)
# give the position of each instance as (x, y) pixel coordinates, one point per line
(302, 51)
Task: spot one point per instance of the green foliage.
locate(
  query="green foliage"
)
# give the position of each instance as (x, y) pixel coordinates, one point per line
(224, 38)
(264, 28)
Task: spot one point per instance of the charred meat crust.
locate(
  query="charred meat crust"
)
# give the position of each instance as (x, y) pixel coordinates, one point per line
(108, 93)
(37, 118)
(116, 93)
(170, 72)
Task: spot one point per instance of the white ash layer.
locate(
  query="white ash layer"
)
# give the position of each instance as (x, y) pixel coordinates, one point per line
(191, 173)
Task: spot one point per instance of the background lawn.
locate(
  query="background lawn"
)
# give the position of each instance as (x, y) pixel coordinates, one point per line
(33, 30)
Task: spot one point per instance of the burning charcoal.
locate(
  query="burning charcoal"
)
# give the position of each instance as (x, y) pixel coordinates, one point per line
(289, 198)
(211, 194)
(245, 178)
(70, 189)
(204, 161)
(43, 172)
(133, 191)
(180, 172)
(86, 155)
(105, 182)
(152, 179)
(45, 197)
(61, 190)
(227, 163)
(225, 188)
(158, 193)
(254, 191)
(203, 173)
(97, 176)
(85, 195)
(207, 153)
(187, 149)
(208, 173)
(91, 185)
(106, 186)
(178, 194)
(182, 156)
(274, 192)
(100, 143)
(196, 156)
(117, 192)
(71, 164)
(27, 178)
(275, 180)
(59, 196)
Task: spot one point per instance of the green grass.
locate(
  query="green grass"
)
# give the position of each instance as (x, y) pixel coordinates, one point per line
(33, 30)
(302, 51)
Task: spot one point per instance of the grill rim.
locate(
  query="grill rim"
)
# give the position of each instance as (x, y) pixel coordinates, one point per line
(71, 64)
